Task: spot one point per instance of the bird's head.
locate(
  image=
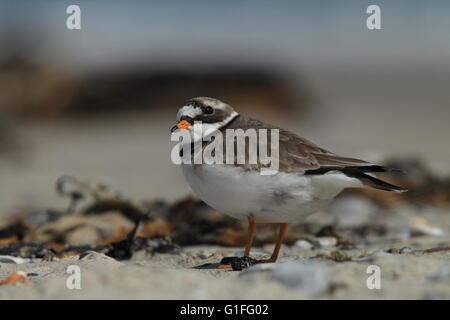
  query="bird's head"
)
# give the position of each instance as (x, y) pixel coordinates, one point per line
(212, 113)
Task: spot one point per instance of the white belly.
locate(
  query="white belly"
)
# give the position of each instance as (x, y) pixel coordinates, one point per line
(268, 198)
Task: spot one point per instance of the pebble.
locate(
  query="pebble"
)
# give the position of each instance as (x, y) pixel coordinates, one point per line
(327, 241)
(17, 277)
(310, 277)
(316, 242)
(11, 259)
(427, 230)
(92, 258)
(303, 244)
(406, 250)
(441, 275)
(374, 256)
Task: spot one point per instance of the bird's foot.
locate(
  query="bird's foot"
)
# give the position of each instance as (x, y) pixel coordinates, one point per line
(234, 263)
(239, 263)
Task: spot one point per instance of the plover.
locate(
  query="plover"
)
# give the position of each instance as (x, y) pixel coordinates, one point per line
(308, 177)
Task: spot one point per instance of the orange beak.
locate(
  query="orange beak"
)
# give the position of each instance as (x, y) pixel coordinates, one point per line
(183, 125)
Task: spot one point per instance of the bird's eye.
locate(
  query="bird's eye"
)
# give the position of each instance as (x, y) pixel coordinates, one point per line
(209, 110)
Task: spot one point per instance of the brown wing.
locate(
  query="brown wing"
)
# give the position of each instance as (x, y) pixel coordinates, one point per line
(297, 154)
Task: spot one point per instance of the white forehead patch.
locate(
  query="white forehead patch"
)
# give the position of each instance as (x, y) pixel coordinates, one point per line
(188, 111)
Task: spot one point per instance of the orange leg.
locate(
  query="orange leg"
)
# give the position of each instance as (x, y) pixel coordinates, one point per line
(248, 246)
(276, 250)
(250, 235)
(236, 264)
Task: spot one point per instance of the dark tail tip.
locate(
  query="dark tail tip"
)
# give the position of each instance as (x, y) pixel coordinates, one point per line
(380, 184)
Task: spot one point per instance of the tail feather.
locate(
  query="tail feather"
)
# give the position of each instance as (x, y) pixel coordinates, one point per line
(376, 183)
(360, 172)
(365, 168)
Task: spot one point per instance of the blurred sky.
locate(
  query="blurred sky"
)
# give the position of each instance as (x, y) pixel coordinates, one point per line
(308, 33)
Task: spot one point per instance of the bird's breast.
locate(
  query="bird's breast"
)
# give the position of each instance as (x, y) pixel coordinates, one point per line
(283, 197)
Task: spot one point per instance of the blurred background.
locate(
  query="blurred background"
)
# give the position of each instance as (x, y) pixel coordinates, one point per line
(98, 103)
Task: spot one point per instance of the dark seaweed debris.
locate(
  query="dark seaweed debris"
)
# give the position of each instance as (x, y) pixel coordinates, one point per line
(124, 249)
(17, 229)
(28, 250)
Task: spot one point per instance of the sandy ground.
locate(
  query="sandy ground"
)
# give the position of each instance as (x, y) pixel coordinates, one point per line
(305, 270)
(300, 274)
